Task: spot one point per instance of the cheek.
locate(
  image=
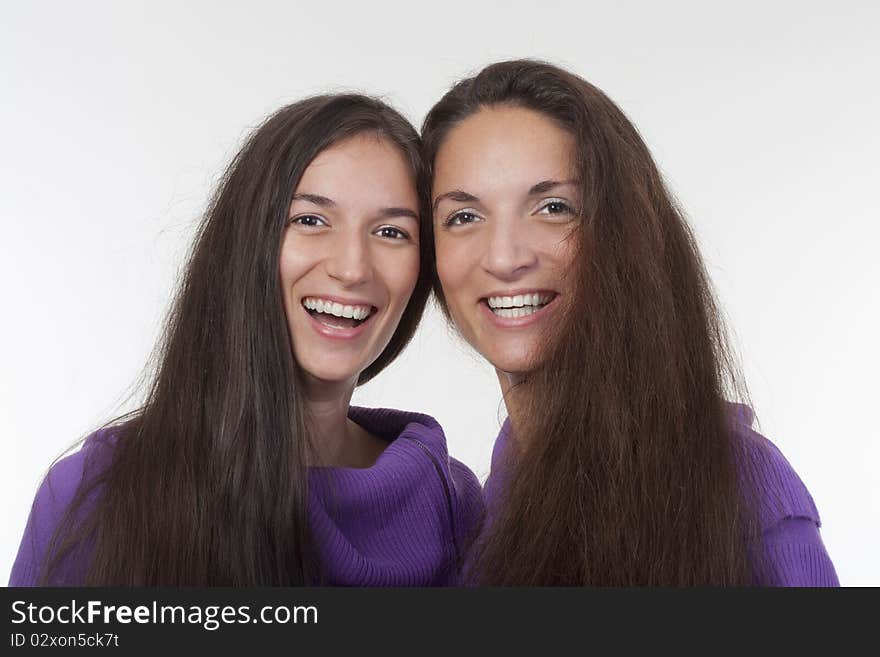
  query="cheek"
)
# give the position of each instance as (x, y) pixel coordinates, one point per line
(564, 253)
(453, 268)
(401, 274)
(294, 262)
(568, 254)
(456, 273)
(558, 246)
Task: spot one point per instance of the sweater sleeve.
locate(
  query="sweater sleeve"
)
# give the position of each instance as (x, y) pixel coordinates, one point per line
(51, 501)
(794, 555)
(470, 511)
(470, 501)
(791, 552)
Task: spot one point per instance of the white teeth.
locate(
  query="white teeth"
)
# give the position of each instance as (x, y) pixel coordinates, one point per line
(337, 309)
(519, 301)
(515, 312)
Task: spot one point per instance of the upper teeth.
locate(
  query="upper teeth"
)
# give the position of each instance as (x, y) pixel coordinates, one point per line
(335, 308)
(520, 300)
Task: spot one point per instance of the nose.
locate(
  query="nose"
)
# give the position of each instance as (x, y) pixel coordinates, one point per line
(508, 253)
(349, 262)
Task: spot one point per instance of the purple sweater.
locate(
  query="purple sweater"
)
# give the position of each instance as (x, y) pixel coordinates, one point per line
(792, 552)
(399, 522)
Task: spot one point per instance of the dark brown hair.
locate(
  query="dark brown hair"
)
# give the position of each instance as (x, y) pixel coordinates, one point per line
(207, 483)
(624, 467)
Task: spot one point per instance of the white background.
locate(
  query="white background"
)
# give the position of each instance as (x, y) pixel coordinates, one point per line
(117, 118)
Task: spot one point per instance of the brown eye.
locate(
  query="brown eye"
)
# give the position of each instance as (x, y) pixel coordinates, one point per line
(462, 218)
(392, 232)
(309, 220)
(556, 206)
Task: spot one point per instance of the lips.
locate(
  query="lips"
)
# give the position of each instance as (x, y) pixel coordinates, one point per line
(518, 308)
(337, 318)
(519, 305)
(338, 314)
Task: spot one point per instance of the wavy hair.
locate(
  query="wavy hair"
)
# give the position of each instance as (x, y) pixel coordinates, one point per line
(625, 470)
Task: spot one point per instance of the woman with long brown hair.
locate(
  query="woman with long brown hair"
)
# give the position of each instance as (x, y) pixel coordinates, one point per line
(563, 260)
(246, 465)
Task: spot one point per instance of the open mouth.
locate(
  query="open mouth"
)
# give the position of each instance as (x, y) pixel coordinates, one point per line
(520, 305)
(337, 315)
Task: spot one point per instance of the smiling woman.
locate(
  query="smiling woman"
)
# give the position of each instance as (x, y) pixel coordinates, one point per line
(246, 465)
(510, 214)
(350, 256)
(562, 259)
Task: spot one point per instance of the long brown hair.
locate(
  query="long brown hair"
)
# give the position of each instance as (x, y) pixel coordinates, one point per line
(207, 482)
(623, 469)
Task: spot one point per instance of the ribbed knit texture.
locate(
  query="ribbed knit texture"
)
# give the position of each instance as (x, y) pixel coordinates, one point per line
(399, 522)
(790, 551)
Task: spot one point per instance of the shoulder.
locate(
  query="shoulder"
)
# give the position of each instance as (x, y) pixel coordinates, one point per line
(63, 479)
(791, 552)
(778, 491)
(54, 496)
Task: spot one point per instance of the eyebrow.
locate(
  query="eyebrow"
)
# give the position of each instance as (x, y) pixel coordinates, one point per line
(384, 213)
(314, 198)
(388, 213)
(455, 195)
(463, 197)
(546, 185)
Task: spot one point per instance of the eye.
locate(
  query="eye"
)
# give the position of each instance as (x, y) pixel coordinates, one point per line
(555, 206)
(392, 232)
(308, 220)
(462, 218)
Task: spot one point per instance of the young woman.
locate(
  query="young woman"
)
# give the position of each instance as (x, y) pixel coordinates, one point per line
(562, 259)
(246, 465)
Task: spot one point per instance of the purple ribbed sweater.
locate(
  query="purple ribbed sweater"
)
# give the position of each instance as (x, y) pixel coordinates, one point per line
(791, 552)
(399, 522)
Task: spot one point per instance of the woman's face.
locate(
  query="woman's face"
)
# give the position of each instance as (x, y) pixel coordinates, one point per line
(350, 256)
(504, 194)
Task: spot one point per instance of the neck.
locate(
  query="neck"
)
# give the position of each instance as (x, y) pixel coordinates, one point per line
(511, 393)
(336, 440)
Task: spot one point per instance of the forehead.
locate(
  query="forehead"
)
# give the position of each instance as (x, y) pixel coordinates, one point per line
(364, 163)
(503, 147)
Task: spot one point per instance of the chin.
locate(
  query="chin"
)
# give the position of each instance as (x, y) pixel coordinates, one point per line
(339, 374)
(511, 363)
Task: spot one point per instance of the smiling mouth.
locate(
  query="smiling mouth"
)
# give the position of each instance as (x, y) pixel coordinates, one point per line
(337, 315)
(520, 305)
